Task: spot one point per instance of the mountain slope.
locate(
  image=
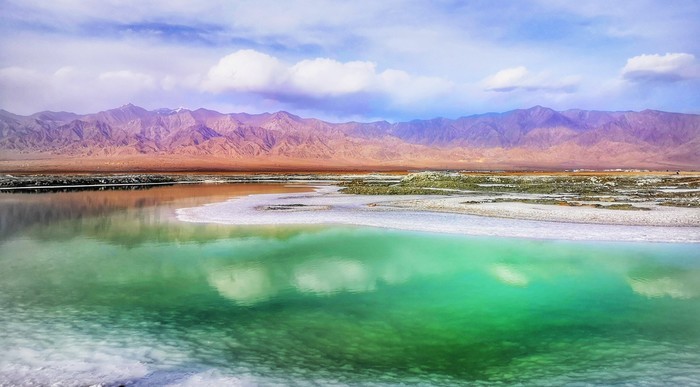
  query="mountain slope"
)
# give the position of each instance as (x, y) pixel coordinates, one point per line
(539, 137)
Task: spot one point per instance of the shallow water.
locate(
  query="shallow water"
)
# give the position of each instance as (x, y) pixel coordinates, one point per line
(129, 295)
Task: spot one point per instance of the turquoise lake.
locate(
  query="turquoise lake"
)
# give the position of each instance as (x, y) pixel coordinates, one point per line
(108, 287)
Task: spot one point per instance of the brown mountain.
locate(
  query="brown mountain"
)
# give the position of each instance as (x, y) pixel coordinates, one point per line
(131, 137)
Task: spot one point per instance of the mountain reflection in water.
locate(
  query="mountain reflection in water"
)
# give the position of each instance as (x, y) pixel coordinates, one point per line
(19, 211)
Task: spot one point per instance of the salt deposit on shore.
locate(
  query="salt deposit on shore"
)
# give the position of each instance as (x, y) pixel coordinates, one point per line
(449, 214)
(654, 216)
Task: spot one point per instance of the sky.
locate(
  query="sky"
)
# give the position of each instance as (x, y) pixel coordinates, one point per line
(350, 60)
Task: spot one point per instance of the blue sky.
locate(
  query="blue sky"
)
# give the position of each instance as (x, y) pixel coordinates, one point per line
(350, 60)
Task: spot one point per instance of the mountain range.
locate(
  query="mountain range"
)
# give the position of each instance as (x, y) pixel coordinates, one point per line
(132, 138)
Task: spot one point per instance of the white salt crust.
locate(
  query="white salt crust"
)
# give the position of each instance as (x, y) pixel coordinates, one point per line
(450, 215)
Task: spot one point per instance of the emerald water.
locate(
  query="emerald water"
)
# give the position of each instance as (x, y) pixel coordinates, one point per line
(108, 287)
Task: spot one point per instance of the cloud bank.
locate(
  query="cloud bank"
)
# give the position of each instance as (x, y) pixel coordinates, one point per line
(250, 71)
(519, 78)
(662, 68)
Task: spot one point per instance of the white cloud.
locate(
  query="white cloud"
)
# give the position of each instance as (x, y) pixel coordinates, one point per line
(245, 70)
(508, 79)
(323, 76)
(670, 67)
(252, 71)
(520, 78)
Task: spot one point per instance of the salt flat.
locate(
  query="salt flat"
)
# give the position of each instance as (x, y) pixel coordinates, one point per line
(449, 215)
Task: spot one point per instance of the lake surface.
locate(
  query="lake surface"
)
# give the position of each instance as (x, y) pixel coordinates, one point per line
(108, 287)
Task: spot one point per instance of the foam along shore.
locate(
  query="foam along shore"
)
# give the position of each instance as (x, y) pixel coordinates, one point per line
(450, 215)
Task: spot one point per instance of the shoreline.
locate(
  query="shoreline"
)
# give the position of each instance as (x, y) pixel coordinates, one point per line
(441, 214)
(657, 216)
(72, 181)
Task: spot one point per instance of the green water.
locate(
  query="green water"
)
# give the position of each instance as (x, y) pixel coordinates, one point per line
(132, 296)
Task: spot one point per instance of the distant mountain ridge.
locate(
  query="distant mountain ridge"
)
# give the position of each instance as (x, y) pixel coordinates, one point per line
(538, 137)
